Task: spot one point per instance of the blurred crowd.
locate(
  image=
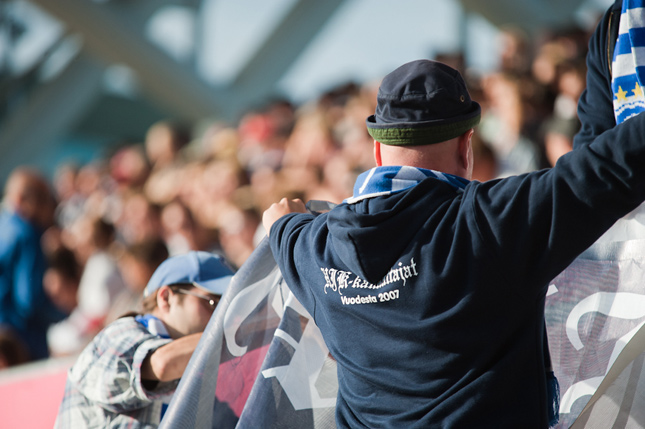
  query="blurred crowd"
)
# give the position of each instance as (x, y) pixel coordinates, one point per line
(117, 218)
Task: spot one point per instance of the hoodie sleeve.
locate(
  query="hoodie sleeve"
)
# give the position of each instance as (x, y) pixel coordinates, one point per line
(287, 235)
(538, 223)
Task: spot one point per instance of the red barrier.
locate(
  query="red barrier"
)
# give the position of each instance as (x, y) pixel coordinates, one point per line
(31, 394)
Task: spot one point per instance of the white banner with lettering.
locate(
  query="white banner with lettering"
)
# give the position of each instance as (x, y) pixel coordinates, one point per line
(593, 309)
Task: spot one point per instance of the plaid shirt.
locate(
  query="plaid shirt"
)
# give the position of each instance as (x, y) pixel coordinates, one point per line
(104, 388)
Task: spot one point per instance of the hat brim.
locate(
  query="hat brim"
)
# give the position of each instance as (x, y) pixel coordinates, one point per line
(216, 286)
(422, 133)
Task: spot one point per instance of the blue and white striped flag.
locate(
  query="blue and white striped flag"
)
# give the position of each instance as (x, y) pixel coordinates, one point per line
(628, 68)
(595, 313)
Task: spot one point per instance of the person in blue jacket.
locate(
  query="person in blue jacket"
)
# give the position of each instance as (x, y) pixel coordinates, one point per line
(429, 288)
(28, 209)
(595, 107)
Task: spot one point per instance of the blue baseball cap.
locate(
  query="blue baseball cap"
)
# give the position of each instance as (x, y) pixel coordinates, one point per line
(201, 269)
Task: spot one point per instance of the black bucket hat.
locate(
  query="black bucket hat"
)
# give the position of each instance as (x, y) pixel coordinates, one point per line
(422, 102)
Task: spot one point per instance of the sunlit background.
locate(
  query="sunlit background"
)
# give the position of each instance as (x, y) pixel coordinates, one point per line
(170, 125)
(79, 76)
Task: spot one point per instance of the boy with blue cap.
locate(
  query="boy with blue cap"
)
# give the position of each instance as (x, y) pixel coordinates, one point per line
(126, 376)
(429, 288)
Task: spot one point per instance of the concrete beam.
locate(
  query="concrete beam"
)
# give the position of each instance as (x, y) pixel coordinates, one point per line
(258, 78)
(114, 33)
(49, 113)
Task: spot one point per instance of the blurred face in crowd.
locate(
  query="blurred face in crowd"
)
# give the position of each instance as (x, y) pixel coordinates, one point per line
(61, 289)
(29, 195)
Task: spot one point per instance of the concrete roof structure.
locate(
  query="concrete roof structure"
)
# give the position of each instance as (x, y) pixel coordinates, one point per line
(38, 111)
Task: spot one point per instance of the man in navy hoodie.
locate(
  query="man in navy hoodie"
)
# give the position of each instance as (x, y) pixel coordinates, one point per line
(429, 288)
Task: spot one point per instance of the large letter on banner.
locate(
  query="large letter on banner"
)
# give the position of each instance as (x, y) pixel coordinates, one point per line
(593, 310)
(261, 361)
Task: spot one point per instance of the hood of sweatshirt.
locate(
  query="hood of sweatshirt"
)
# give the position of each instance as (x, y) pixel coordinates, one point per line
(371, 235)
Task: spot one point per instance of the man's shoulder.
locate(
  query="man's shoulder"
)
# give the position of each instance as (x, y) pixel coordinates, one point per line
(15, 232)
(124, 324)
(125, 329)
(9, 219)
(122, 338)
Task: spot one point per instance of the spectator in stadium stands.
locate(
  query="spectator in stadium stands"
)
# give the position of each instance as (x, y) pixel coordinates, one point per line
(484, 160)
(429, 288)
(563, 124)
(237, 230)
(62, 278)
(139, 219)
(70, 202)
(101, 281)
(24, 306)
(503, 126)
(137, 264)
(12, 350)
(128, 374)
(178, 228)
(164, 142)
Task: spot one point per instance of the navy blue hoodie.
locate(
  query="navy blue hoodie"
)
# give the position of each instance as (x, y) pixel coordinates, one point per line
(432, 299)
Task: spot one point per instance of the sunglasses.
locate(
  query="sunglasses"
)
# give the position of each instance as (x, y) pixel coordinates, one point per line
(211, 302)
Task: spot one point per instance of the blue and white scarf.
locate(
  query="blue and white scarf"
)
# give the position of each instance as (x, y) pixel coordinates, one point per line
(380, 181)
(628, 67)
(153, 325)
